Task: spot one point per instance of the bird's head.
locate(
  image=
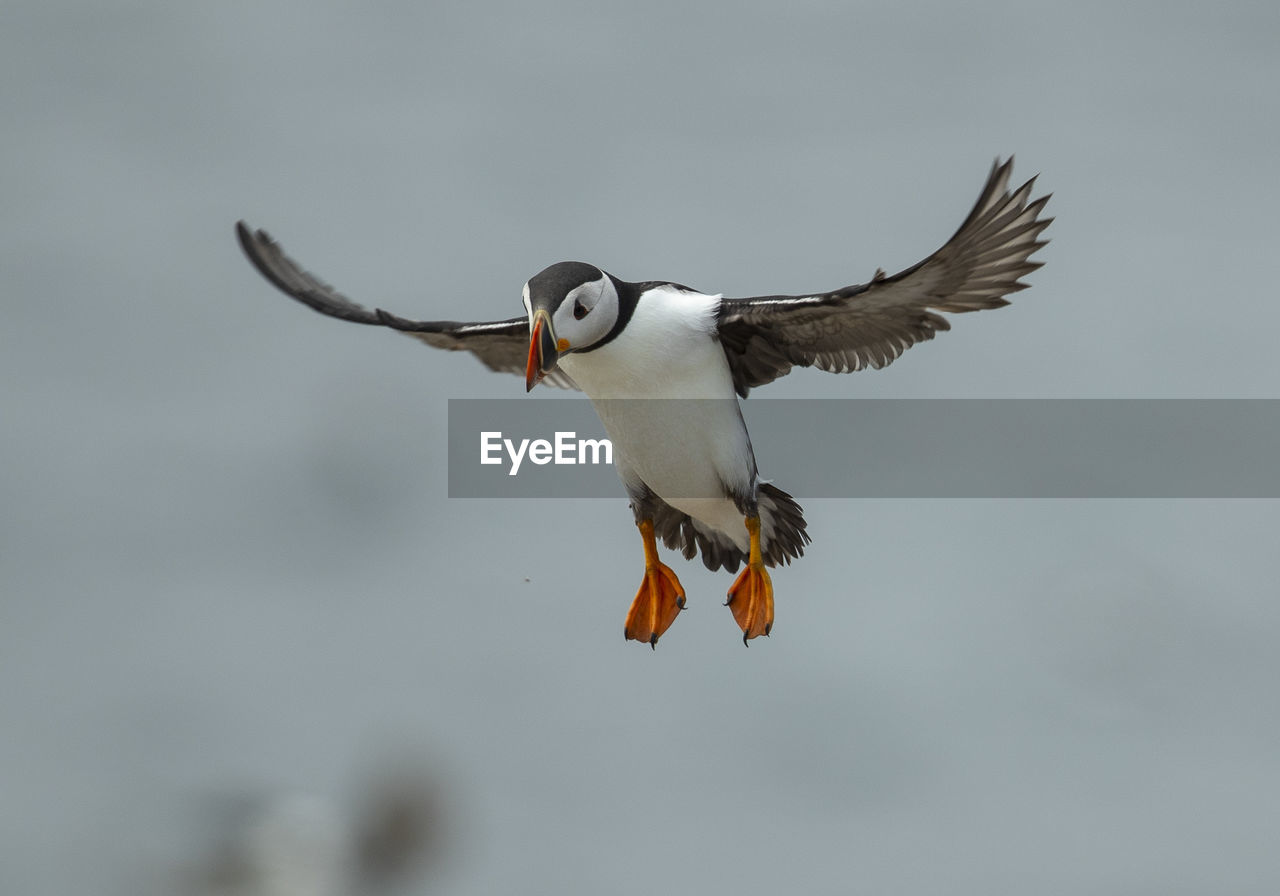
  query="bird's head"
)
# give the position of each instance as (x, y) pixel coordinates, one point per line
(572, 306)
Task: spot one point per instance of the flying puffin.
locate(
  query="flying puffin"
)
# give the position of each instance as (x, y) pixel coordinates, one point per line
(688, 466)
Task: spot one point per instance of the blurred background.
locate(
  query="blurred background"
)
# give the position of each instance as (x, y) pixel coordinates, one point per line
(247, 643)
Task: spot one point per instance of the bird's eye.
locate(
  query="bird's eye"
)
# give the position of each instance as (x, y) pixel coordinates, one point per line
(579, 310)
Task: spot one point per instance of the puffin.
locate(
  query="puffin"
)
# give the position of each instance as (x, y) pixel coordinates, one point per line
(687, 464)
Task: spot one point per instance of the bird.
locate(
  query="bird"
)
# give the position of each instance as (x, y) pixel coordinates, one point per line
(687, 466)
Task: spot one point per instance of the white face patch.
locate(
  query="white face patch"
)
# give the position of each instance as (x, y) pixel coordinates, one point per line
(582, 299)
(586, 314)
(528, 309)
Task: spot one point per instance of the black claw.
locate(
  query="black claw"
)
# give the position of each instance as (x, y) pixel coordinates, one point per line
(744, 640)
(653, 642)
(680, 603)
(768, 628)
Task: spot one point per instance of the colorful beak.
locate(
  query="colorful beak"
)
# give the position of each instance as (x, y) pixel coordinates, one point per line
(543, 354)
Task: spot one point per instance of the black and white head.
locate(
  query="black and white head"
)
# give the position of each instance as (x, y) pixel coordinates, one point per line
(572, 306)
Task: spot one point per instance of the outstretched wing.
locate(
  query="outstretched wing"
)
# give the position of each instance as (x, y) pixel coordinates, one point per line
(502, 345)
(871, 324)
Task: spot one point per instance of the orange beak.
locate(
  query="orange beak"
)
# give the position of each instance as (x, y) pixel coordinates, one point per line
(543, 353)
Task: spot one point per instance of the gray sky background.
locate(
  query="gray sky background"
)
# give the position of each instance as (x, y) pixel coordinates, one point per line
(227, 558)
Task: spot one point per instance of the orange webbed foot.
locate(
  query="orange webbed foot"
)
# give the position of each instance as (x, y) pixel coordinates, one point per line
(751, 600)
(751, 595)
(660, 598)
(658, 602)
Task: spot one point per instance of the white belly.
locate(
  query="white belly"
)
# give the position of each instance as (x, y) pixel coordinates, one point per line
(665, 396)
(680, 448)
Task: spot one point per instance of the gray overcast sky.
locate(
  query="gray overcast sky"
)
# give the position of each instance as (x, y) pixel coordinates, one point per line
(227, 558)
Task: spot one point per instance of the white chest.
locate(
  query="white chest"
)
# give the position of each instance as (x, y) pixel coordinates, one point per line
(667, 350)
(665, 394)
